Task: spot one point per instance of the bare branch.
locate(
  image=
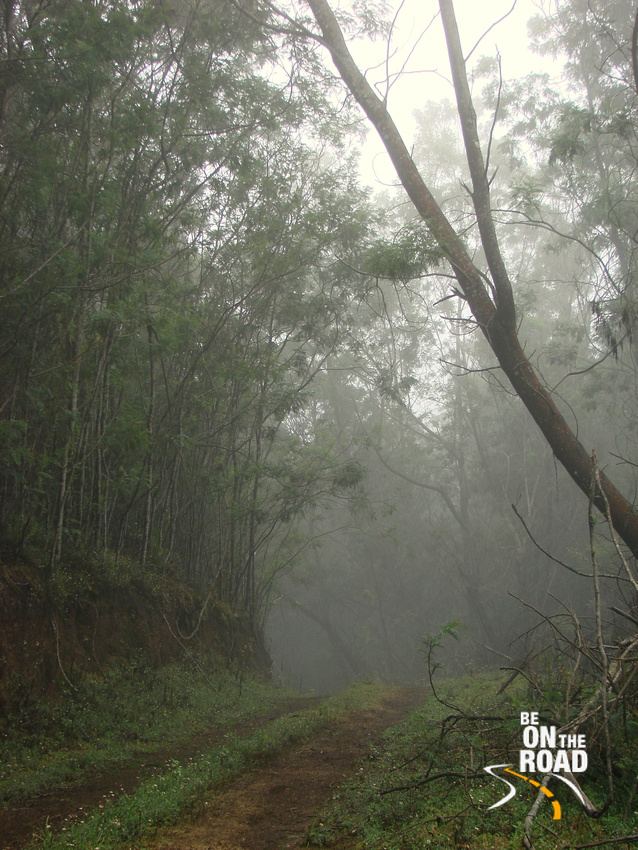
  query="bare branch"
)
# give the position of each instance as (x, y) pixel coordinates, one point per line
(490, 28)
(557, 560)
(495, 118)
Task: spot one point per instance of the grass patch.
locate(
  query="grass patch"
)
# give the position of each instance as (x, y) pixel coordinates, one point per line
(424, 786)
(163, 799)
(110, 721)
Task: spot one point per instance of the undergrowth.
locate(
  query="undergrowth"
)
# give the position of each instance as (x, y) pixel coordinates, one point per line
(423, 784)
(182, 787)
(107, 720)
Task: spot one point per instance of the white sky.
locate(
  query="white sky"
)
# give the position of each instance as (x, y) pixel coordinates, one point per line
(427, 76)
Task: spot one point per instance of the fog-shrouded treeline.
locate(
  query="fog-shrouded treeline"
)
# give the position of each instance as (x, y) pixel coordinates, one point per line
(464, 493)
(221, 357)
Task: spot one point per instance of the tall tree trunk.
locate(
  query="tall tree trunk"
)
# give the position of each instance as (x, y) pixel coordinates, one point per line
(150, 425)
(66, 466)
(494, 314)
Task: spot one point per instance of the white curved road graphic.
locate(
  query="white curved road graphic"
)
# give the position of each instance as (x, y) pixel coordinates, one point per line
(512, 792)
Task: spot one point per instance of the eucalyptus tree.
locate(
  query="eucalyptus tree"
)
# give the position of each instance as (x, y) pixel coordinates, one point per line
(488, 294)
(579, 158)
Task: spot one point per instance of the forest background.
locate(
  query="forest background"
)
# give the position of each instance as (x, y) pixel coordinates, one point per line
(225, 361)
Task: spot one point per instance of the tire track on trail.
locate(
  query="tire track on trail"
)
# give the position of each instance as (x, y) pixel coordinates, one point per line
(19, 822)
(272, 806)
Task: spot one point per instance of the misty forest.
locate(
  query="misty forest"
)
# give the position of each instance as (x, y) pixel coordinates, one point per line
(288, 450)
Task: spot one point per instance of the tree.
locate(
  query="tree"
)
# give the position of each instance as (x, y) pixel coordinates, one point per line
(488, 295)
(166, 292)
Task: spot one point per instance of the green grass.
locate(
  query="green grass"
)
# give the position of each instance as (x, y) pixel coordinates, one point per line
(112, 720)
(390, 805)
(181, 787)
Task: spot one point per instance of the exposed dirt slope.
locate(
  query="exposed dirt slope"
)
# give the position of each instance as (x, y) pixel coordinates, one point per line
(99, 623)
(273, 806)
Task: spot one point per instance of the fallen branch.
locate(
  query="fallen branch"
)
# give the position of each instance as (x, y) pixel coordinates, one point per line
(517, 672)
(446, 774)
(624, 839)
(531, 815)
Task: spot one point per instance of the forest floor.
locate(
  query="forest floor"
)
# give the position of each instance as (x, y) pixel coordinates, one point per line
(270, 806)
(274, 805)
(372, 767)
(21, 822)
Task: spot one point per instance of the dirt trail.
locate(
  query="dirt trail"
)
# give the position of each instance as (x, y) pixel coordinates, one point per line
(19, 823)
(273, 806)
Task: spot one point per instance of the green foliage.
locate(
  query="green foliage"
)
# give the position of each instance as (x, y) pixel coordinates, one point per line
(528, 194)
(568, 143)
(411, 254)
(434, 642)
(423, 784)
(166, 301)
(103, 722)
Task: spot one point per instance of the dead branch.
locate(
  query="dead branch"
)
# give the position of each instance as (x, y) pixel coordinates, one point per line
(612, 530)
(551, 557)
(445, 774)
(531, 815)
(604, 708)
(517, 672)
(623, 840)
(624, 614)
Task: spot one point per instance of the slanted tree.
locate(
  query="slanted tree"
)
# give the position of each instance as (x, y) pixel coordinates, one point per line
(488, 293)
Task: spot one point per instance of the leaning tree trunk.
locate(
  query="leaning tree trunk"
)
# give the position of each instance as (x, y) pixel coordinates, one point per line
(494, 312)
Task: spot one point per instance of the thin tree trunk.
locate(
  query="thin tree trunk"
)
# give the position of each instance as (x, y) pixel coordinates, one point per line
(56, 549)
(150, 424)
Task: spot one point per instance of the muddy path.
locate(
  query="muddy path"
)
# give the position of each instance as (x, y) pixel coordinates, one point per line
(19, 823)
(271, 807)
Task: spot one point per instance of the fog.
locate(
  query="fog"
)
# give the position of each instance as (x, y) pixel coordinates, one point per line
(463, 514)
(432, 538)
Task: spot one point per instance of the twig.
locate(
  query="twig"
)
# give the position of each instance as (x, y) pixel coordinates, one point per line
(552, 558)
(625, 839)
(443, 775)
(57, 650)
(553, 625)
(612, 530)
(508, 681)
(518, 672)
(190, 655)
(624, 614)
